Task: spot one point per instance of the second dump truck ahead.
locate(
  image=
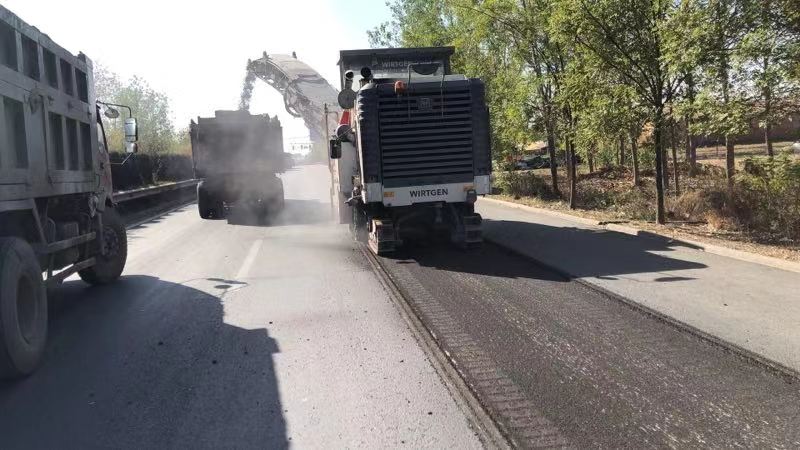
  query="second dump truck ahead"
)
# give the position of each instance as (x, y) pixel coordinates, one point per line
(238, 156)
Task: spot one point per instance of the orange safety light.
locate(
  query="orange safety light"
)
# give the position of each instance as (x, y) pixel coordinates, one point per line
(399, 87)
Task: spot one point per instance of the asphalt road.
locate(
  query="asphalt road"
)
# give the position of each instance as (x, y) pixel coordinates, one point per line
(558, 363)
(234, 335)
(238, 334)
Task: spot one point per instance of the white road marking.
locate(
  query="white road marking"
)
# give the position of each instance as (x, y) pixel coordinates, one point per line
(251, 258)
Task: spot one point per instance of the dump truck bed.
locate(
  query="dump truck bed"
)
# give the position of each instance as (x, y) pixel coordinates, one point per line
(236, 142)
(48, 112)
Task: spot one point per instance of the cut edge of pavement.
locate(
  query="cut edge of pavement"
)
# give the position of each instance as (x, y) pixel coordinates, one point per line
(741, 255)
(789, 374)
(481, 422)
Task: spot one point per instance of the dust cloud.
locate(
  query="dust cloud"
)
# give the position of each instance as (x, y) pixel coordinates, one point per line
(247, 88)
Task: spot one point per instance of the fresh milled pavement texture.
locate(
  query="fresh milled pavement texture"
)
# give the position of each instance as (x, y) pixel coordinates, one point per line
(558, 363)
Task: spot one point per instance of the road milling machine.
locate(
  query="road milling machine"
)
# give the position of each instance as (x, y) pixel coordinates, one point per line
(411, 152)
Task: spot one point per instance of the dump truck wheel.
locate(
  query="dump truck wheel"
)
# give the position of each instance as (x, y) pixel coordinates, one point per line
(109, 265)
(203, 202)
(217, 208)
(281, 199)
(23, 309)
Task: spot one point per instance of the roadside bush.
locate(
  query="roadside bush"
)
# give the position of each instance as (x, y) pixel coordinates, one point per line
(591, 196)
(636, 204)
(691, 206)
(144, 169)
(524, 184)
(715, 204)
(770, 189)
(764, 202)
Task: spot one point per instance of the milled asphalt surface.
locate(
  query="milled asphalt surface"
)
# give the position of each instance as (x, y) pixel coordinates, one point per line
(558, 363)
(234, 335)
(750, 305)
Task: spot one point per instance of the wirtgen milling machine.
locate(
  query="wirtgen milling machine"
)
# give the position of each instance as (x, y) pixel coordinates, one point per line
(411, 153)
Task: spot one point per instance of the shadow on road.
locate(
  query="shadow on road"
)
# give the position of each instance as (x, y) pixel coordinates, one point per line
(575, 251)
(146, 363)
(488, 260)
(295, 212)
(588, 252)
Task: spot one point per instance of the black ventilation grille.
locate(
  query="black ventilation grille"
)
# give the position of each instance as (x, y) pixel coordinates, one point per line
(426, 133)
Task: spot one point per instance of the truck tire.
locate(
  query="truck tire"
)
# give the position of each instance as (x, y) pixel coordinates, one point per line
(280, 197)
(217, 207)
(209, 205)
(203, 202)
(109, 266)
(23, 309)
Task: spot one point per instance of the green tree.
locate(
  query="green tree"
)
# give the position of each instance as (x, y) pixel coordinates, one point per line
(421, 23)
(482, 50)
(767, 56)
(722, 104)
(608, 108)
(645, 43)
(524, 26)
(157, 134)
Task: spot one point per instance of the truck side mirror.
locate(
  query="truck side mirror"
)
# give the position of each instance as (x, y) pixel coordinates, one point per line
(111, 113)
(131, 130)
(335, 147)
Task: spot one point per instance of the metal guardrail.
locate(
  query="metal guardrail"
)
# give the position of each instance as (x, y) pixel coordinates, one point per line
(134, 194)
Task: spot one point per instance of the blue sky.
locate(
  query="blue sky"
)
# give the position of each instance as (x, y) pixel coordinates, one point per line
(196, 52)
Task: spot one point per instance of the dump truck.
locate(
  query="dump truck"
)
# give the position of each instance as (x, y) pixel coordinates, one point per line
(411, 152)
(57, 211)
(237, 156)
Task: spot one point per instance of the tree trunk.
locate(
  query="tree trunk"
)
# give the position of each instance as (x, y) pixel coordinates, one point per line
(573, 182)
(730, 162)
(691, 145)
(635, 158)
(665, 162)
(687, 142)
(551, 150)
(768, 118)
(768, 139)
(675, 165)
(766, 12)
(690, 149)
(659, 143)
(590, 158)
(622, 150)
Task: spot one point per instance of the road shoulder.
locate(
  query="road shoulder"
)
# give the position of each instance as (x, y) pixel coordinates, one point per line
(721, 250)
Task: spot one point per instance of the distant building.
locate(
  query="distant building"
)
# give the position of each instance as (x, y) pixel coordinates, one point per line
(301, 147)
(535, 148)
